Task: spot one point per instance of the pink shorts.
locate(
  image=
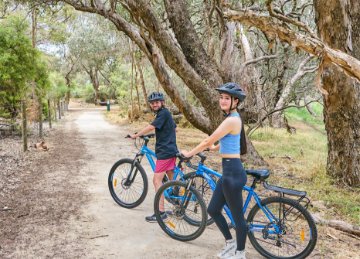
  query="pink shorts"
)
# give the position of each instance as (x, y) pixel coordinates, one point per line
(165, 165)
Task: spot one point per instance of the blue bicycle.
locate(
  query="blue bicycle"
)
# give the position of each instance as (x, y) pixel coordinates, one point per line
(278, 227)
(127, 181)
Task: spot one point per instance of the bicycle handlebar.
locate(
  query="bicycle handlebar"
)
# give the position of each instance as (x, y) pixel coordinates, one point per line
(146, 138)
(151, 135)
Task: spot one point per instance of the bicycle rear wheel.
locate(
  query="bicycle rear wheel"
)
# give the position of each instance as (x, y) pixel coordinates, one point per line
(180, 205)
(290, 234)
(128, 183)
(203, 187)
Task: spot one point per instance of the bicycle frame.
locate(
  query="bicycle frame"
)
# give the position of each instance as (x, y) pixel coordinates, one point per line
(207, 172)
(150, 156)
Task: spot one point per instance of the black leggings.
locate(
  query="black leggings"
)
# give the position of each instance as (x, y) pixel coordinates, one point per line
(229, 191)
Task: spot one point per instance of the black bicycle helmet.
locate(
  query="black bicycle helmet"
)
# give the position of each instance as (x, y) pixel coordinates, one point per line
(156, 96)
(232, 89)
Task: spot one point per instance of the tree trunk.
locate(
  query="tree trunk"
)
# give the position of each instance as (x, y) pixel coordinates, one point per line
(137, 85)
(255, 102)
(95, 82)
(24, 125)
(142, 82)
(277, 119)
(338, 25)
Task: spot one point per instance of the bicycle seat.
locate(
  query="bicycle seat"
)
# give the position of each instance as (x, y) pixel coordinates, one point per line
(259, 174)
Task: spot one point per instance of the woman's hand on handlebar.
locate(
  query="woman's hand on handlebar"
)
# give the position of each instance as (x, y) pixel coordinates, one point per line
(213, 148)
(185, 153)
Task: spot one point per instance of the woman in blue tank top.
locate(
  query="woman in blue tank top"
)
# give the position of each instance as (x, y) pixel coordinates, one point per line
(229, 187)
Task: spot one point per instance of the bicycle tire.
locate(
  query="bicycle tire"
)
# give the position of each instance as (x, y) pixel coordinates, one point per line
(304, 239)
(202, 186)
(175, 221)
(117, 184)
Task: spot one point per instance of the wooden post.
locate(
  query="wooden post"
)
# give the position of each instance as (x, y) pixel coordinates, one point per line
(40, 118)
(59, 109)
(49, 113)
(24, 125)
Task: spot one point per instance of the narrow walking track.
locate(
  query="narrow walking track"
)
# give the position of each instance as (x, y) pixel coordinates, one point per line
(63, 209)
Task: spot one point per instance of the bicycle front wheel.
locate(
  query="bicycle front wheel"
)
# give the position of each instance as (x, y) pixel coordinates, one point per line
(203, 187)
(180, 204)
(289, 233)
(128, 183)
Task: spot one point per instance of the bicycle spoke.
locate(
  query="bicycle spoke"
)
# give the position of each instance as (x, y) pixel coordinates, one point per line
(127, 188)
(186, 217)
(289, 235)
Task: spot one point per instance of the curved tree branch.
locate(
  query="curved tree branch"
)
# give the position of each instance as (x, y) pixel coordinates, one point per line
(309, 44)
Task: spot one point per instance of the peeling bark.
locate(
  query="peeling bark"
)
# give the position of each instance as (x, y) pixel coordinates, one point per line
(338, 23)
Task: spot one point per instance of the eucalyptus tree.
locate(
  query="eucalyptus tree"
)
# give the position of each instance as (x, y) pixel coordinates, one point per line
(92, 46)
(339, 27)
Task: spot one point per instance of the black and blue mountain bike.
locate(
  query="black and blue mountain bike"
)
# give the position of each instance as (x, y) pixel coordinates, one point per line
(127, 180)
(278, 227)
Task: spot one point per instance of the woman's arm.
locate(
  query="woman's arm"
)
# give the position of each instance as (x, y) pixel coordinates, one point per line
(215, 147)
(225, 127)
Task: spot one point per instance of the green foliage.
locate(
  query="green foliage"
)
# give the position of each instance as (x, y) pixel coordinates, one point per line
(17, 68)
(58, 86)
(88, 93)
(41, 79)
(302, 114)
(16, 54)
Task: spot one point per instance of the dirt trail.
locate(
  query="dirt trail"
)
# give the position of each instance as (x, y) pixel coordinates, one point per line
(62, 207)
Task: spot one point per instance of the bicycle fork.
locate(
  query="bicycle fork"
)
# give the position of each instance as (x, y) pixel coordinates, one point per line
(186, 199)
(132, 174)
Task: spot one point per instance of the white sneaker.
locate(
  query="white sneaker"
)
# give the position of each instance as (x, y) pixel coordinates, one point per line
(238, 255)
(228, 250)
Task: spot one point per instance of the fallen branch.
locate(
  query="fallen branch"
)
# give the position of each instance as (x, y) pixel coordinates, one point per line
(339, 225)
(5, 209)
(95, 237)
(23, 215)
